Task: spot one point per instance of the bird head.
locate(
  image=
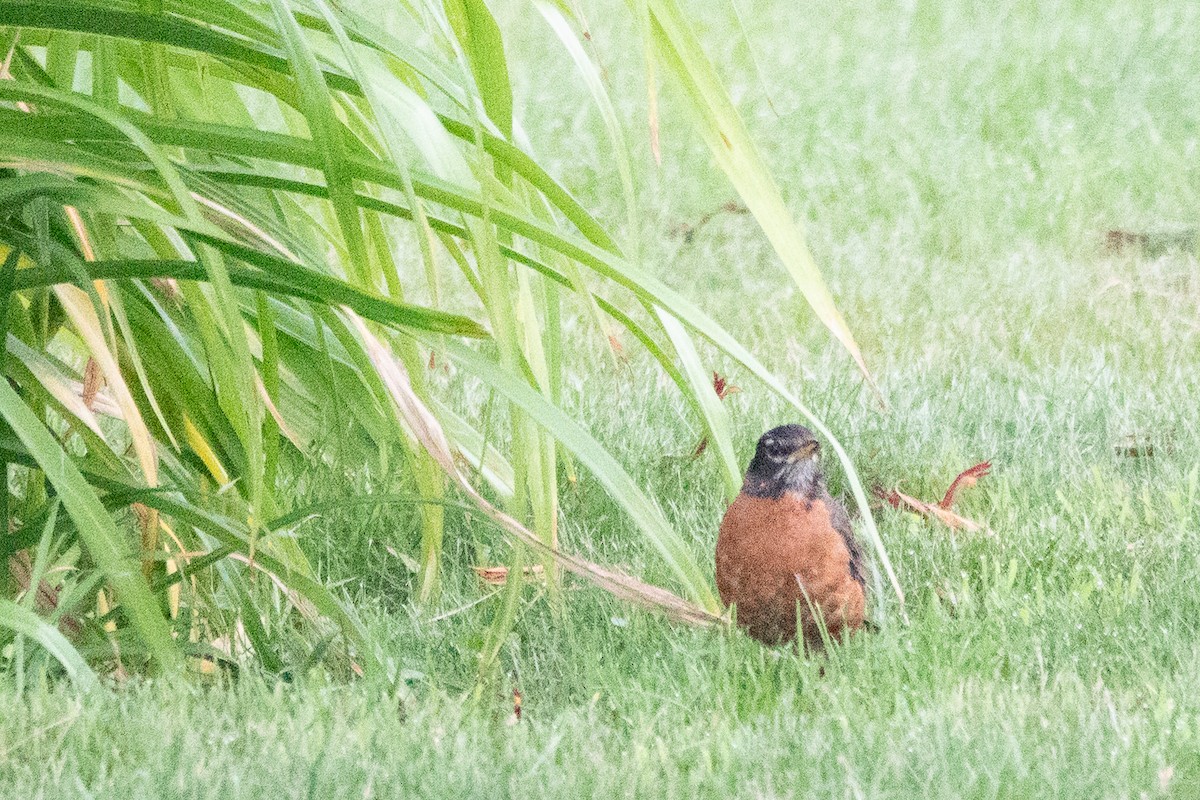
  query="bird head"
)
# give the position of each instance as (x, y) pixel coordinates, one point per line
(787, 459)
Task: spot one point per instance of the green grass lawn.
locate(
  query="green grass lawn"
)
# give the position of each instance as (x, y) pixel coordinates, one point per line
(957, 167)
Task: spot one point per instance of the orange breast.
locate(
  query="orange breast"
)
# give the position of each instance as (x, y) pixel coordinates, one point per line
(771, 554)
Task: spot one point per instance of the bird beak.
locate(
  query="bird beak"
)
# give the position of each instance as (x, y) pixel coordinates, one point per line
(805, 451)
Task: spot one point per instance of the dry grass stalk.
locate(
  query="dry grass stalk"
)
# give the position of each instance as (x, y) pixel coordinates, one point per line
(941, 511)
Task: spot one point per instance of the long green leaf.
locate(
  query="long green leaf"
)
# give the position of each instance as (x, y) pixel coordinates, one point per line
(115, 556)
(479, 36)
(607, 471)
(319, 111)
(707, 402)
(733, 148)
(26, 623)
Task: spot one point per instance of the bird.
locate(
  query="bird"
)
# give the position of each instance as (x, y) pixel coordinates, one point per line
(785, 545)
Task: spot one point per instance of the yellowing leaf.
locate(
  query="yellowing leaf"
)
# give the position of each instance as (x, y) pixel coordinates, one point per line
(79, 308)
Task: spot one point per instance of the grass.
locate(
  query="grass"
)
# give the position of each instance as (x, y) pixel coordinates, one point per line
(958, 167)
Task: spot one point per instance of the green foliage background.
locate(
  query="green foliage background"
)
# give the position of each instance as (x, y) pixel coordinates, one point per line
(216, 219)
(958, 167)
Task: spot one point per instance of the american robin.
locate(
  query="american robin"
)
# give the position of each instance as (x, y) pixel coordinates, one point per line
(785, 543)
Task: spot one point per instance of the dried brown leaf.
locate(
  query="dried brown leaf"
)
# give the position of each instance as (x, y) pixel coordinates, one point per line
(20, 566)
(1152, 243)
(498, 576)
(618, 349)
(1143, 445)
(687, 230)
(954, 521)
(940, 511)
(169, 289)
(517, 701)
(891, 497)
(966, 479)
(93, 379)
(723, 387)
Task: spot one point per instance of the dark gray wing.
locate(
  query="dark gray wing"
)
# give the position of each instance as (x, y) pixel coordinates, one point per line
(841, 523)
